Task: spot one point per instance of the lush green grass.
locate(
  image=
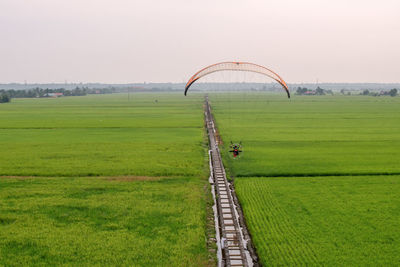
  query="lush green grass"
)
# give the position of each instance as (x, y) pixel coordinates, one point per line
(68, 218)
(100, 221)
(310, 135)
(161, 221)
(334, 221)
(103, 135)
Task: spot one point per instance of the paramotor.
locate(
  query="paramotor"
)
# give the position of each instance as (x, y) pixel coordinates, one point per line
(237, 66)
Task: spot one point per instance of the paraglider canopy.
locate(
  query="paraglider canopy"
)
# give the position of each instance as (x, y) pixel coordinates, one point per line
(237, 66)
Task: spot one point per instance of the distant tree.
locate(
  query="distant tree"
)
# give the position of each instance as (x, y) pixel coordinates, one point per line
(342, 91)
(329, 92)
(393, 92)
(319, 91)
(79, 91)
(5, 98)
(365, 92)
(301, 91)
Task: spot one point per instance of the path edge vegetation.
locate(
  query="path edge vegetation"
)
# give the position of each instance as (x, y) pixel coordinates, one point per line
(208, 219)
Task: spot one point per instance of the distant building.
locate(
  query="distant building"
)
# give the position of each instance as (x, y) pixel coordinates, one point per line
(55, 94)
(310, 92)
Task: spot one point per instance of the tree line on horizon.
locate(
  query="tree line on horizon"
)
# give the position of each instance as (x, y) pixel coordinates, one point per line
(320, 91)
(392, 92)
(7, 95)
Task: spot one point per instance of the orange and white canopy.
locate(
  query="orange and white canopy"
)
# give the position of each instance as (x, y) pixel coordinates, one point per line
(237, 66)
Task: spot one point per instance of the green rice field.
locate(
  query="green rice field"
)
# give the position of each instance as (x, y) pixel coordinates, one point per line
(325, 221)
(318, 179)
(107, 180)
(102, 135)
(104, 180)
(324, 135)
(124, 221)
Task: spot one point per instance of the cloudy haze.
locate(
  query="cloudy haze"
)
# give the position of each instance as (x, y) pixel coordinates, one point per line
(123, 41)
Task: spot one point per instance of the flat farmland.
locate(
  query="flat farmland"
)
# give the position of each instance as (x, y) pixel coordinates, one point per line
(320, 135)
(103, 180)
(102, 135)
(129, 221)
(318, 180)
(326, 221)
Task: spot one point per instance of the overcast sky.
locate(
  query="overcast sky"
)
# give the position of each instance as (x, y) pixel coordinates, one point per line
(123, 41)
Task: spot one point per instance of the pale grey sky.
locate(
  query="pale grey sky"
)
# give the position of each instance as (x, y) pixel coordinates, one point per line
(122, 41)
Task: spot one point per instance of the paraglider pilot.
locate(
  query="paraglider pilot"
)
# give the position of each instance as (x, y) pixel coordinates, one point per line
(235, 149)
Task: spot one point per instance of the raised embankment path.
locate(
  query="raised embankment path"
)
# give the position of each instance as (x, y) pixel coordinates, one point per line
(231, 242)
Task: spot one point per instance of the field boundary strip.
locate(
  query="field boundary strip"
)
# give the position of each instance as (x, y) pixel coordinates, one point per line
(123, 178)
(318, 174)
